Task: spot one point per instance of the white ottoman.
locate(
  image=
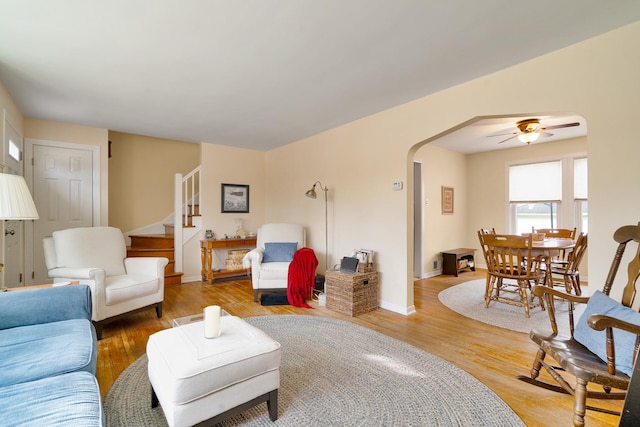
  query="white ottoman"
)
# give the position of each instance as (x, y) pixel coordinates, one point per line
(198, 380)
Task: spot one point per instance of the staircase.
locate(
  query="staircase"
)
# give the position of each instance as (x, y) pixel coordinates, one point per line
(164, 244)
(156, 245)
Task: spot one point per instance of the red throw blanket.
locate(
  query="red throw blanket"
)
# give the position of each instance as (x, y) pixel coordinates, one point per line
(301, 279)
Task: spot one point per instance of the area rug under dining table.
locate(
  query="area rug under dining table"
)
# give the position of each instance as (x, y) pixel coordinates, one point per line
(467, 299)
(335, 373)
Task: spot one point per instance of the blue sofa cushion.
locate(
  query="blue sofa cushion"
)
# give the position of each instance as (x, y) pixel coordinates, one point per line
(34, 306)
(595, 341)
(279, 251)
(33, 352)
(64, 400)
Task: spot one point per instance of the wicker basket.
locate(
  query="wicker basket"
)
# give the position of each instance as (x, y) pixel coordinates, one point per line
(351, 293)
(237, 254)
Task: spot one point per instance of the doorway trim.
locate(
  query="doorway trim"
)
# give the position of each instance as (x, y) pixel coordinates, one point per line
(29, 143)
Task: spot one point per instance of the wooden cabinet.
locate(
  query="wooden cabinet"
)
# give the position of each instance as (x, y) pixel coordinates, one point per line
(208, 246)
(457, 260)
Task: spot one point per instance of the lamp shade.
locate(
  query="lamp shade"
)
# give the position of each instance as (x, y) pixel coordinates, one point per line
(15, 199)
(528, 137)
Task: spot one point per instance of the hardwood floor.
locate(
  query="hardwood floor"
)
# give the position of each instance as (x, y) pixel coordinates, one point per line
(492, 355)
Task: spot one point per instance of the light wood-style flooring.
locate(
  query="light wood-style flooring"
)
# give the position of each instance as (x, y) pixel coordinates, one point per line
(492, 355)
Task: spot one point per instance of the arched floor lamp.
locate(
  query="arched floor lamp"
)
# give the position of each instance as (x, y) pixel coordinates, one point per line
(312, 194)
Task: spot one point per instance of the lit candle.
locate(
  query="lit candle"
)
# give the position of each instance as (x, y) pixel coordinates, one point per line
(212, 321)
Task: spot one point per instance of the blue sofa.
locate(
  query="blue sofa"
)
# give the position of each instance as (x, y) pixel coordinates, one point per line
(48, 351)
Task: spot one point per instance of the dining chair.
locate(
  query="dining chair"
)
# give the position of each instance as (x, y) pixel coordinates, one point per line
(491, 278)
(602, 344)
(556, 233)
(513, 270)
(567, 274)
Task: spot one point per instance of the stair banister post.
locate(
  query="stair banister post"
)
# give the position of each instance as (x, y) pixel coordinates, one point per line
(177, 222)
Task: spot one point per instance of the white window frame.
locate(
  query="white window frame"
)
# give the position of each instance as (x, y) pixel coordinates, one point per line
(568, 213)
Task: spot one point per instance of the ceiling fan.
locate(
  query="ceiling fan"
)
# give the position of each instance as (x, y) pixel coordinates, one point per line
(529, 130)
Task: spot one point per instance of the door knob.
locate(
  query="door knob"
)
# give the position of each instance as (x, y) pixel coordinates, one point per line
(9, 232)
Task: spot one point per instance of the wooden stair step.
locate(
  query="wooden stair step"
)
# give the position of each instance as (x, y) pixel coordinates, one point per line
(147, 252)
(156, 245)
(152, 241)
(172, 279)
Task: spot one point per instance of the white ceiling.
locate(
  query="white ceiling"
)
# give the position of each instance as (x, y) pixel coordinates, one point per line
(263, 73)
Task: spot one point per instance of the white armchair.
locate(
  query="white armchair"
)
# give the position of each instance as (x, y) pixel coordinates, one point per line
(272, 275)
(97, 256)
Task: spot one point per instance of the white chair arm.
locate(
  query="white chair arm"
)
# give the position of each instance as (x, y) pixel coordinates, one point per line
(76, 273)
(146, 266)
(252, 258)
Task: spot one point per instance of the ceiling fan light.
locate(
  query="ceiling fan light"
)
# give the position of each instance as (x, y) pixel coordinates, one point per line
(529, 137)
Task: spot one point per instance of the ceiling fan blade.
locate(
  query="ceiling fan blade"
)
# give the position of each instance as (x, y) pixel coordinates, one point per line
(546, 134)
(503, 134)
(565, 125)
(505, 140)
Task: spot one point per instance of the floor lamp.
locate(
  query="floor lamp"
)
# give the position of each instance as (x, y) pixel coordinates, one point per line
(16, 202)
(312, 194)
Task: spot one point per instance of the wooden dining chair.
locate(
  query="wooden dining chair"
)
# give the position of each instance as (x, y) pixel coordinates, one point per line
(491, 278)
(512, 270)
(556, 233)
(603, 343)
(567, 273)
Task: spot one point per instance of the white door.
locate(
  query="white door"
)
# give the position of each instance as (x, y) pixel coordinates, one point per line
(63, 193)
(13, 273)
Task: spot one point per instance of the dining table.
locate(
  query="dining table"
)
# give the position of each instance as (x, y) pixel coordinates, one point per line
(551, 247)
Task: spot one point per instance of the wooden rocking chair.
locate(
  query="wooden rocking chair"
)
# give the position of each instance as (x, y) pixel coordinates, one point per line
(605, 359)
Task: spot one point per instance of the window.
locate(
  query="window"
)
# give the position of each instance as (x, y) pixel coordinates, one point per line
(548, 195)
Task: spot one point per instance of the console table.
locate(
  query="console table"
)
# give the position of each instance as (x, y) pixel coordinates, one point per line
(207, 247)
(456, 260)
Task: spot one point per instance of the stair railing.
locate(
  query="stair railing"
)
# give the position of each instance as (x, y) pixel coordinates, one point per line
(186, 198)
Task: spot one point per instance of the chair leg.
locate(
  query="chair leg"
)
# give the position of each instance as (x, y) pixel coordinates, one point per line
(255, 295)
(159, 309)
(272, 405)
(522, 289)
(580, 403)
(98, 327)
(537, 363)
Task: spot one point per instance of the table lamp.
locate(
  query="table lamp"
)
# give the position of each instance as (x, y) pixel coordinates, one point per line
(16, 202)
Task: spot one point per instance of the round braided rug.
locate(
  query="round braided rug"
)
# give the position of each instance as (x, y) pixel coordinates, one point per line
(335, 373)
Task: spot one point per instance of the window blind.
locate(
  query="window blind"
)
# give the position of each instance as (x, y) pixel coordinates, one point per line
(535, 182)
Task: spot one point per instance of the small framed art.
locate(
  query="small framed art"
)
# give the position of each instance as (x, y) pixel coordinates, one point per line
(235, 198)
(447, 200)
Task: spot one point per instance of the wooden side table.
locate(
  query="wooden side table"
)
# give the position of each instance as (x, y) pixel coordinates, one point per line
(351, 293)
(456, 260)
(207, 247)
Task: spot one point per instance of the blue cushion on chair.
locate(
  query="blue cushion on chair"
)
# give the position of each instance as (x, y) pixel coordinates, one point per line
(279, 251)
(595, 341)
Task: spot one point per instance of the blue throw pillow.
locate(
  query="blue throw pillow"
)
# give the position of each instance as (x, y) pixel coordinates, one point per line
(595, 341)
(279, 251)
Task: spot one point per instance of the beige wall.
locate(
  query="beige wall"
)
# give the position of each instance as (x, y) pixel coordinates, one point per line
(141, 177)
(441, 167)
(76, 134)
(596, 79)
(222, 164)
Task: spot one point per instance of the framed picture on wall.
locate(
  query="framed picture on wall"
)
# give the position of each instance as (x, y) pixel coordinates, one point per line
(235, 198)
(447, 200)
